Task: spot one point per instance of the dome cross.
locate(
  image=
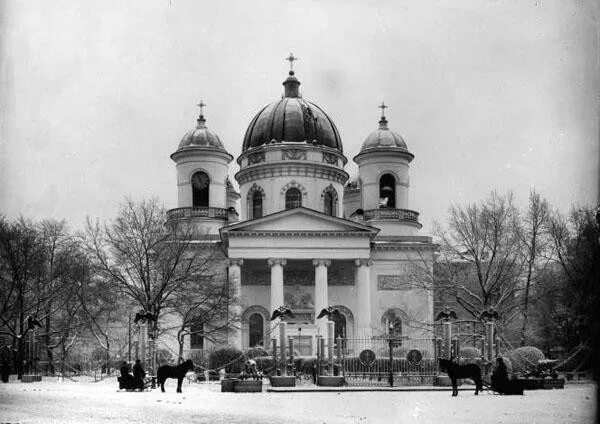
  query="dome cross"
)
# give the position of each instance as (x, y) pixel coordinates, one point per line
(383, 107)
(201, 105)
(291, 58)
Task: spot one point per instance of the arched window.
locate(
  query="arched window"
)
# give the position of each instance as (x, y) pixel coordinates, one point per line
(293, 198)
(197, 336)
(387, 191)
(200, 186)
(257, 204)
(256, 327)
(329, 203)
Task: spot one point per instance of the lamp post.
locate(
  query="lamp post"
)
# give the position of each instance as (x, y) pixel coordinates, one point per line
(391, 347)
(129, 338)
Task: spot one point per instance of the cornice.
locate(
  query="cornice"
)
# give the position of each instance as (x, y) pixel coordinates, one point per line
(403, 246)
(287, 233)
(289, 168)
(383, 152)
(291, 146)
(203, 151)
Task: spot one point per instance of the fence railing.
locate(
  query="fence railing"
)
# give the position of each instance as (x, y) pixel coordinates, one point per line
(389, 213)
(198, 212)
(388, 361)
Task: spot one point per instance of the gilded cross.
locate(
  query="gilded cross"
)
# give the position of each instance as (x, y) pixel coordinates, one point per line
(291, 58)
(383, 107)
(201, 106)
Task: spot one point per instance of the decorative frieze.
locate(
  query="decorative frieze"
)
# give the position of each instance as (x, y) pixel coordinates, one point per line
(304, 169)
(338, 274)
(255, 158)
(330, 158)
(299, 297)
(293, 154)
(392, 282)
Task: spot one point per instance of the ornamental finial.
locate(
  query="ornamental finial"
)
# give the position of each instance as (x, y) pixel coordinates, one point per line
(201, 120)
(383, 107)
(383, 121)
(201, 106)
(291, 58)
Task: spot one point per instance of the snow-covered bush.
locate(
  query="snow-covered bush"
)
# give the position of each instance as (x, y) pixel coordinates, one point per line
(469, 352)
(229, 357)
(525, 359)
(256, 352)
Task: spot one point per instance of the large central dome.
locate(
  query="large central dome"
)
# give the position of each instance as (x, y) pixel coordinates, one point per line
(292, 119)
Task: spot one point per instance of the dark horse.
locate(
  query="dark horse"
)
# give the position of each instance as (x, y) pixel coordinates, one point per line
(170, 371)
(456, 371)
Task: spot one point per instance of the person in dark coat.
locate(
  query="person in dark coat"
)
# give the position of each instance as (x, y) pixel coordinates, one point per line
(126, 380)
(138, 375)
(4, 371)
(500, 382)
(499, 376)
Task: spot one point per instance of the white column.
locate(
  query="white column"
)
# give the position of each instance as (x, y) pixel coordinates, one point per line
(235, 304)
(363, 316)
(276, 265)
(321, 297)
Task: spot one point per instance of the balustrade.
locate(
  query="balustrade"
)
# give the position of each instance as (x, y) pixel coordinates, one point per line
(389, 213)
(198, 212)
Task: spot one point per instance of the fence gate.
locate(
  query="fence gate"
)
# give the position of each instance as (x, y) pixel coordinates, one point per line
(385, 361)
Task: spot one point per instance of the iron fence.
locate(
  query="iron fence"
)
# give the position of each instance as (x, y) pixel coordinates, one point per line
(386, 361)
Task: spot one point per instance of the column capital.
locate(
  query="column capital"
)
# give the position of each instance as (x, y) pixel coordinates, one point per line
(321, 262)
(363, 262)
(235, 262)
(276, 261)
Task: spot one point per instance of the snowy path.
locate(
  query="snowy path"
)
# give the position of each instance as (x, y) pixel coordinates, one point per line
(49, 402)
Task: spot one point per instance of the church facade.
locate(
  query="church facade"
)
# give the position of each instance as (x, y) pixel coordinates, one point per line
(300, 233)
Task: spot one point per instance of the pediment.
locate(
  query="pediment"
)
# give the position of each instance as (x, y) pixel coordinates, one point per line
(300, 220)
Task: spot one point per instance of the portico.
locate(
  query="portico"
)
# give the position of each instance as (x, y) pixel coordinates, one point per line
(290, 254)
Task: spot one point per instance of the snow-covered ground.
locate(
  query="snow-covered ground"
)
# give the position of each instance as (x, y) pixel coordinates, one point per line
(88, 402)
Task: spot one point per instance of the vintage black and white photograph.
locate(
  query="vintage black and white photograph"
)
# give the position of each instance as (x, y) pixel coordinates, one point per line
(299, 211)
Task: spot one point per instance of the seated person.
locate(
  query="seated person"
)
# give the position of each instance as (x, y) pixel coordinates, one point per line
(126, 381)
(501, 383)
(499, 376)
(138, 375)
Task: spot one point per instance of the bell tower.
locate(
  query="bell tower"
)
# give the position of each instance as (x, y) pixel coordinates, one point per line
(204, 193)
(383, 164)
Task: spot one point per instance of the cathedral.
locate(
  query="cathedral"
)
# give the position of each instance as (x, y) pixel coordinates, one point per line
(300, 232)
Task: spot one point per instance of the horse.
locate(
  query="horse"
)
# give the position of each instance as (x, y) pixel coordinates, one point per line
(170, 371)
(456, 371)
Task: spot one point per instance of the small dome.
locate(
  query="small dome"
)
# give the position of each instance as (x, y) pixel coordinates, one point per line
(292, 119)
(383, 137)
(201, 136)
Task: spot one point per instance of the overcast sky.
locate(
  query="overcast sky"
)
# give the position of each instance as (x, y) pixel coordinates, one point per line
(95, 96)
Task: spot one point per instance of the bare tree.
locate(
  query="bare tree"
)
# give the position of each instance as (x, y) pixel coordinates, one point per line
(534, 243)
(58, 265)
(576, 248)
(202, 303)
(101, 306)
(20, 262)
(144, 259)
(480, 261)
